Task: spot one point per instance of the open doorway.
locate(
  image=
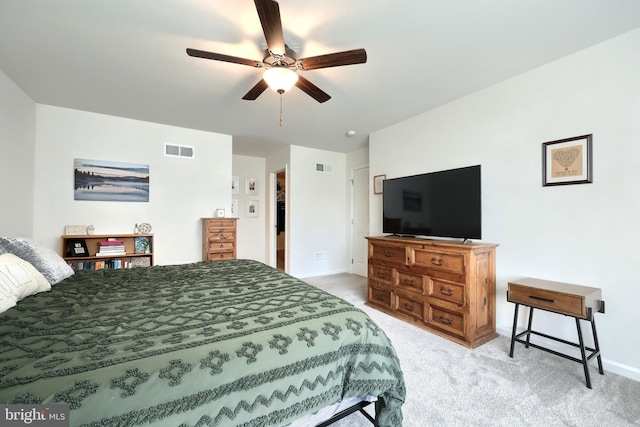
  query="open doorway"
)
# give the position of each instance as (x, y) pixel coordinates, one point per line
(280, 202)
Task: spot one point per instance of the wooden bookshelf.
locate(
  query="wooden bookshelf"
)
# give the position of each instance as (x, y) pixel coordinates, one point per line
(88, 257)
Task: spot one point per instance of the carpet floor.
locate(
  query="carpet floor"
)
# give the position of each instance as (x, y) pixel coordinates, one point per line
(451, 385)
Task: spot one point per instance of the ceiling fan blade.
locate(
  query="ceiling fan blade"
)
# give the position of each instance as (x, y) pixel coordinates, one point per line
(256, 91)
(269, 14)
(220, 57)
(349, 57)
(312, 90)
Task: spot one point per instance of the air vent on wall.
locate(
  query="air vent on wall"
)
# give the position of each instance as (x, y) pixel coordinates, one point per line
(326, 168)
(174, 150)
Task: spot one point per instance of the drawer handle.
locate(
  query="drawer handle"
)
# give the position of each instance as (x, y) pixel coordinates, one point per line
(447, 320)
(221, 245)
(409, 282)
(408, 306)
(435, 261)
(382, 275)
(388, 253)
(447, 292)
(221, 256)
(379, 296)
(541, 299)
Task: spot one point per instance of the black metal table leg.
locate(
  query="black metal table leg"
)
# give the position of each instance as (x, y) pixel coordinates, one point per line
(513, 331)
(529, 327)
(584, 355)
(596, 345)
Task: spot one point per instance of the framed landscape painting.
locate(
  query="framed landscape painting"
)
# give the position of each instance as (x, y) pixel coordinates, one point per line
(100, 180)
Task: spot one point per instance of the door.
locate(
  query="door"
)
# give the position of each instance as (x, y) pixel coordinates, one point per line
(359, 220)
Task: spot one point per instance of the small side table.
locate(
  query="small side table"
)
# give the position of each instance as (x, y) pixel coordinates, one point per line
(579, 302)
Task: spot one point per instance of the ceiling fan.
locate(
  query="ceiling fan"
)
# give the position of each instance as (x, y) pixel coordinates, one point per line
(281, 63)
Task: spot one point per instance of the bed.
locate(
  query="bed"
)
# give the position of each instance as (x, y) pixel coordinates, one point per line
(229, 343)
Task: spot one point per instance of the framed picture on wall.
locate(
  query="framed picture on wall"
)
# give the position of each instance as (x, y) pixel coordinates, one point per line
(567, 161)
(251, 186)
(235, 184)
(252, 210)
(377, 183)
(234, 208)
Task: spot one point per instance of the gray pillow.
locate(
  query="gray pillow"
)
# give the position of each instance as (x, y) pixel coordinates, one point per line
(45, 260)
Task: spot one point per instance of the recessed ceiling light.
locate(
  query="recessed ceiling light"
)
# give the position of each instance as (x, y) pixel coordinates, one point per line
(351, 133)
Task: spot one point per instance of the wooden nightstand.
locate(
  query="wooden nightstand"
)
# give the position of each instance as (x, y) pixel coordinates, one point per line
(579, 302)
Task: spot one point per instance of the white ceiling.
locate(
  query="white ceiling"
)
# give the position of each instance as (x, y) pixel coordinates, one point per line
(127, 58)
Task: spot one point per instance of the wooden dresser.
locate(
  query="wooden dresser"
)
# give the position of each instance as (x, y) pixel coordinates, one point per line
(218, 238)
(444, 287)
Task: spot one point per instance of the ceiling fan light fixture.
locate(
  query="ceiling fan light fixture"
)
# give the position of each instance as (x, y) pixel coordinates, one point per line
(280, 79)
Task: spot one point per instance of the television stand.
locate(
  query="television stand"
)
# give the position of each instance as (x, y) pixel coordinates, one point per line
(445, 287)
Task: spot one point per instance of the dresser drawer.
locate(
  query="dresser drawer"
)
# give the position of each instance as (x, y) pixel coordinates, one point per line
(389, 253)
(439, 260)
(220, 246)
(221, 256)
(379, 295)
(221, 236)
(413, 282)
(410, 306)
(381, 274)
(446, 320)
(447, 291)
(220, 225)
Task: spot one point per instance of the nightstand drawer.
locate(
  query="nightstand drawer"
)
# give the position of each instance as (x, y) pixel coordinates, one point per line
(571, 300)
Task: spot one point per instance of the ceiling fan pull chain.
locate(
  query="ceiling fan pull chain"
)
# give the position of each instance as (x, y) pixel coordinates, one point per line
(281, 110)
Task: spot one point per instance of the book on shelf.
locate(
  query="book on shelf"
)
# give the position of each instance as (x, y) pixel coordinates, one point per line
(100, 264)
(111, 247)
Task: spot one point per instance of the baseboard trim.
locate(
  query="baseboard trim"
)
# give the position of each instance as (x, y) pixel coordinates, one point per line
(322, 273)
(608, 365)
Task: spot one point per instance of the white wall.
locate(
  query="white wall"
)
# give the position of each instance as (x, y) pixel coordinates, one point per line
(17, 148)
(316, 213)
(582, 234)
(182, 191)
(251, 231)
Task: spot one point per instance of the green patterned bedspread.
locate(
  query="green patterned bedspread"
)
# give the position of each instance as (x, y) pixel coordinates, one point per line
(230, 343)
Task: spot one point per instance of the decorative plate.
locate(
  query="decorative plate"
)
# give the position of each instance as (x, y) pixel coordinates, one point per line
(144, 228)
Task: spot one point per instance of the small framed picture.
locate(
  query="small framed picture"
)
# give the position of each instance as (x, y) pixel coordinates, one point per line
(377, 183)
(567, 161)
(252, 209)
(234, 208)
(251, 186)
(235, 184)
(71, 230)
(219, 213)
(142, 245)
(76, 248)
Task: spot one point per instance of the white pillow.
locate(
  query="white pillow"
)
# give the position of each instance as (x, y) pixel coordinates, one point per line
(18, 280)
(44, 259)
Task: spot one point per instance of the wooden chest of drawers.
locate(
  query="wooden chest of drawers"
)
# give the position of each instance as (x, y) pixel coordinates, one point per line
(218, 239)
(445, 287)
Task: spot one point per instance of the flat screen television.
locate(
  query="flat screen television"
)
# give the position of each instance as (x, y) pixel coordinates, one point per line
(438, 204)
